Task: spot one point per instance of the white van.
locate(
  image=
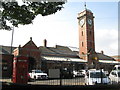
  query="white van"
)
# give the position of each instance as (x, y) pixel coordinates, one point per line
(94, 77)
(115, 75)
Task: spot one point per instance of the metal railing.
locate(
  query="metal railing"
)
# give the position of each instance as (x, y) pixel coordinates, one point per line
(91, 78)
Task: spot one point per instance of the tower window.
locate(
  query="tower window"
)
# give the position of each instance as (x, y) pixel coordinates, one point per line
(83, 53)
(82, 44)
(82, 33)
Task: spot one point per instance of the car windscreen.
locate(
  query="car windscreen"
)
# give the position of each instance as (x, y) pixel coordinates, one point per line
(38, 71)
(97, 75)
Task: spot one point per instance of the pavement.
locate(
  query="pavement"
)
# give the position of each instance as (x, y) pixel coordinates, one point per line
(49, 82)
(6, 80)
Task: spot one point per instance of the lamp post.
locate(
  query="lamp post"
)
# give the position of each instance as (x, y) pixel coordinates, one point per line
(12, 39)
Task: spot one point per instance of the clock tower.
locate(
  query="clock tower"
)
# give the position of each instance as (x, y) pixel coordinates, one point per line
(86, 34)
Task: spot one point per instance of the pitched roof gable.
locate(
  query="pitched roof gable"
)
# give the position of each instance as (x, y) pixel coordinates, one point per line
(30, 44)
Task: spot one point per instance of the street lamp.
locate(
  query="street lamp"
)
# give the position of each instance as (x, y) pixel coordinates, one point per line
(12, 39)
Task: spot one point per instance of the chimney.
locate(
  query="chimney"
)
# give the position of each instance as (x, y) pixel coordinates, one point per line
(19, 46)
(45, 43)
(102, 52)
(30, 38)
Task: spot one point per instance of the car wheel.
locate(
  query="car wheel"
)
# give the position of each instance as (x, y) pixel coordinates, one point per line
(34, 78)
(29, 80)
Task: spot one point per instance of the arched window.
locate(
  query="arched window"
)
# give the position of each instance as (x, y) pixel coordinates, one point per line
(82, 33)
(82, 44)
(83, 53)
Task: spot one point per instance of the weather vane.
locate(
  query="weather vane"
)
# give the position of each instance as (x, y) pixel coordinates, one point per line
(85, 5)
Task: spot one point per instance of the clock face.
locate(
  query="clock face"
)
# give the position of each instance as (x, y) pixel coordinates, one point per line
(81, 22)
(89, 21)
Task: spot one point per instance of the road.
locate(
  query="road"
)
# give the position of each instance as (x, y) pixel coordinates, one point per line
(74, 81)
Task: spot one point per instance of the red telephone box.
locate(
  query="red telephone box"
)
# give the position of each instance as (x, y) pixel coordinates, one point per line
(20, 70)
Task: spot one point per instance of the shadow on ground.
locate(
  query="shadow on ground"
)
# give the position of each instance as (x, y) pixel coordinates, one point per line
(13, 86)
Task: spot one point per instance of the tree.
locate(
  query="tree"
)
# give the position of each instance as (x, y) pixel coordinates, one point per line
(24, 14)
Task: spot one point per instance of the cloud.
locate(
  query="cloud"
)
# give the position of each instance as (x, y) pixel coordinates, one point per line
(55, 30)
(59, 32)
(5, 37)
(107, 40)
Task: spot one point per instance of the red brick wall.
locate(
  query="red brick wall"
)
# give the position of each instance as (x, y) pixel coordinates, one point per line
(30, 50)
(86, 34)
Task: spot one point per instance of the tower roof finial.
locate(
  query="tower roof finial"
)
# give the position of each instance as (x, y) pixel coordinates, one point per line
(85, 5)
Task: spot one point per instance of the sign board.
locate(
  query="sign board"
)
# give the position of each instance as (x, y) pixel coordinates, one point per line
(54, 73)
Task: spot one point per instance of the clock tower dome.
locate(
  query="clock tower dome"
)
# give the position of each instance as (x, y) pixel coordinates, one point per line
(86, 34)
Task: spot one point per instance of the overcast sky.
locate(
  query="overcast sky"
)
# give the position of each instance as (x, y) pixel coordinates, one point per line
(61, 28)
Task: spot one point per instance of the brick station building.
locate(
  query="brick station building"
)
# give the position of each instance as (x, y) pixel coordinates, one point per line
(44, 57)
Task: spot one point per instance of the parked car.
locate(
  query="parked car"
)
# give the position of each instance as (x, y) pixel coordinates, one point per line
(66, 73)
(76, 73)
(83, 72)
(79, 73)
(38, 74)
(116, 67)
(94, 77)
(115, 76)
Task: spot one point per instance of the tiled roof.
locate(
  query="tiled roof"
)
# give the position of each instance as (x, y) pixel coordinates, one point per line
(104, 57)
(116, 57)
(2, 51)
(46, 50)
(58, 50)
(6, 49)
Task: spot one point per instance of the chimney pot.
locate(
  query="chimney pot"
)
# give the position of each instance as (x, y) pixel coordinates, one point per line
(45, 43)
(19, 46)
(30, 38)
(102, 52)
